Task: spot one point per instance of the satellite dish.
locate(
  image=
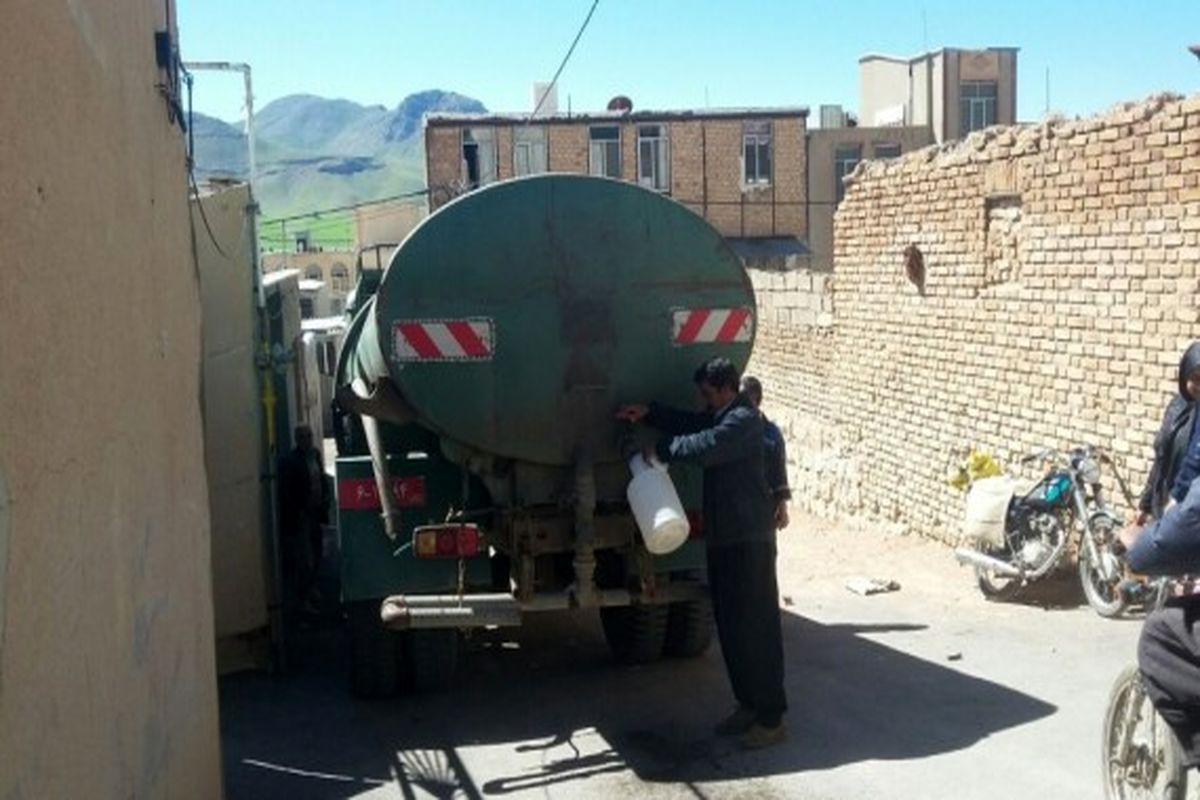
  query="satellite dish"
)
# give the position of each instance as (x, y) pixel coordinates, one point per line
(620, 103)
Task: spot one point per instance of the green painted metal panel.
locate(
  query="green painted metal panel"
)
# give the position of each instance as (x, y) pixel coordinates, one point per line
(517, 318)
(374, 566)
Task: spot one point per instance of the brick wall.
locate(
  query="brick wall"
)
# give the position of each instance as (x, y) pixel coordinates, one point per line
(705, 165)
(568, 148)
(1061, 286)
(443, 164)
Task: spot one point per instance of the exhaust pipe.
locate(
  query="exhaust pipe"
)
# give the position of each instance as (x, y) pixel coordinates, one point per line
(975, 558)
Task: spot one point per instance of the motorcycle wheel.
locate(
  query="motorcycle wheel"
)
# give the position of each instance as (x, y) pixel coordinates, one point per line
(996, 587)
(1104, 596)
(1149, 768)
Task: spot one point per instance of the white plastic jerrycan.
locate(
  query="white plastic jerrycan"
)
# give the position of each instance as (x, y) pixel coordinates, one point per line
(656, 507)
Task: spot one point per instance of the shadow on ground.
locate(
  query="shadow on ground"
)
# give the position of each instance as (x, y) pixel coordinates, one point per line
(549, 708)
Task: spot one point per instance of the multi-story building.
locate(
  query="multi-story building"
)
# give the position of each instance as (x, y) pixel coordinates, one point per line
(834, 151)
(332, 268)
(904, 104)
(950, 91)
(741, 169)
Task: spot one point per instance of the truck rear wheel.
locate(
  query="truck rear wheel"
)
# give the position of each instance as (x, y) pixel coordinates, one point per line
(689, 629)
(374, 652)
(432, 656)
(635, 634)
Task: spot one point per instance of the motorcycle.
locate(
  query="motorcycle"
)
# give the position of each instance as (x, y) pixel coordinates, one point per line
(1033, 532)
(1140, 755)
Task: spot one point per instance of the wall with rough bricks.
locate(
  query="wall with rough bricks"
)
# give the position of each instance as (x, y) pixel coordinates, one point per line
(1061, 285)
(706, 169)
(443, 164)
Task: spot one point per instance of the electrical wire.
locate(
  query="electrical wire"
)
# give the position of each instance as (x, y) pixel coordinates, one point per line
(204, 217)
(350, 207)
(566, 58)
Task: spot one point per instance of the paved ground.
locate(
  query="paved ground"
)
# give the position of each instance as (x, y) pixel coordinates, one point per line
(929, 692)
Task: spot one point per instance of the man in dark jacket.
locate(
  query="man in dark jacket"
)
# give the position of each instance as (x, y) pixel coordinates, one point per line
(1174, 443)
(776, 454)
(1169, 648)
(303, 504)
(739, 528)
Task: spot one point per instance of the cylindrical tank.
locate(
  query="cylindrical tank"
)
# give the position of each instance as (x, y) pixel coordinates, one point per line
(517, 318)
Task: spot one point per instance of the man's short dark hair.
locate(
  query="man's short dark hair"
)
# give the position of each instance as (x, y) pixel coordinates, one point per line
(753, 388)
(719, 373)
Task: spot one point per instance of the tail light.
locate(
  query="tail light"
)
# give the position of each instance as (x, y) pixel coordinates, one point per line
(696, 522)
(446, 541)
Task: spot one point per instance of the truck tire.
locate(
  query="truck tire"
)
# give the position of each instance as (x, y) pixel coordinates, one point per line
(374, 652)
(432, 658)
(689, 629)
(635, 634)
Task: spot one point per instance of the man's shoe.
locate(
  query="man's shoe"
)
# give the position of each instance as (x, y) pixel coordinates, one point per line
(759, 736)
(737, 723)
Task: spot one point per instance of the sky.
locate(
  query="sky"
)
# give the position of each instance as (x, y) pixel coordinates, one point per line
(672, 54)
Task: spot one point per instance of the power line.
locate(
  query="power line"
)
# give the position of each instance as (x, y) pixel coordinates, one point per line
(350, 207)
(566, 58)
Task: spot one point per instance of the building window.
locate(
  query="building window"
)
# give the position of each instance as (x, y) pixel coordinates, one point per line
(479, 156)
(976, 105)
(654, 158)
(313, 273)
(306, 308)
(887, 150)
(339, 277)
(845, 159)
(604, 151)
(756, 153)
(529, 150)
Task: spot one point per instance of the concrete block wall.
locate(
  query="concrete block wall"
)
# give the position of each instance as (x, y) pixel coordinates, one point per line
(1062, 281)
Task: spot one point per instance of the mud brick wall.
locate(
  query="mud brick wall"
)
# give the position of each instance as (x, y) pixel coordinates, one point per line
(1062, 281)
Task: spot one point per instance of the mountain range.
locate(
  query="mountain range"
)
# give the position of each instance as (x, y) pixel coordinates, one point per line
(315, 153)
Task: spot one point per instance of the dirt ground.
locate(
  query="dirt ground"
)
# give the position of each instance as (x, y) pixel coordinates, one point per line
(925, 692)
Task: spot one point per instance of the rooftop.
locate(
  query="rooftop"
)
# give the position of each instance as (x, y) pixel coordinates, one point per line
(931, 53)
(761, 112)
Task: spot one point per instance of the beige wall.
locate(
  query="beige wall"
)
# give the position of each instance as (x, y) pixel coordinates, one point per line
(388, 222)
(107, 680)
(322, 265)
(233, 437)
(705, 165)
(1061, 289)
(883, 83)
(822, 176)
(931, 95)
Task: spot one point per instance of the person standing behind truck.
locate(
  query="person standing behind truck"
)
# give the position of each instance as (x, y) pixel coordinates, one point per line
(739, 530)
(776, 453)
(1171, 443)
(303, 504)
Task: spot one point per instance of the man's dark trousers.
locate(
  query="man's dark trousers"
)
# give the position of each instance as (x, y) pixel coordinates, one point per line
(745, 600)
(1169, 658)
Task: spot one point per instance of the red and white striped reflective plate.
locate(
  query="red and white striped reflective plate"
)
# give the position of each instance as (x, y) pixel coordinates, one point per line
(444, 339)
(709, 325)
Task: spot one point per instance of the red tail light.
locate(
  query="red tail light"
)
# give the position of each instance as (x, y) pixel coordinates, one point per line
(696, 522)
(446, 541)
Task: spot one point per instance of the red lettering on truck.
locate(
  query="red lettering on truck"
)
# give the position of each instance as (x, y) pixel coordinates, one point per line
(361, 494)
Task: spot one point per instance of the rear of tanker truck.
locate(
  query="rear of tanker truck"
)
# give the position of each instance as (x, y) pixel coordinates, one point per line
(480, 476)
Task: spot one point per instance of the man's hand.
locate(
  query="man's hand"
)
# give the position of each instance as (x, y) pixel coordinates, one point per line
(1129, 534)
(649, 455)
(635, 412)
(781, 515)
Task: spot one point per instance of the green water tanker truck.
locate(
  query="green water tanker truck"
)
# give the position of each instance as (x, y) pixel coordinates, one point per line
(480, 474)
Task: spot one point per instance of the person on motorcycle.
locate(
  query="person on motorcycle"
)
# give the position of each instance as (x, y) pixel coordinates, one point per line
(1176, 455)
(1169, 647)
